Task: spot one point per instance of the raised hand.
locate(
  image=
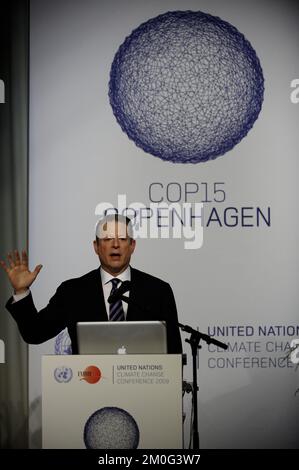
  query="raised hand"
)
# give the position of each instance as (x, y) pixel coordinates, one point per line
(18, 272)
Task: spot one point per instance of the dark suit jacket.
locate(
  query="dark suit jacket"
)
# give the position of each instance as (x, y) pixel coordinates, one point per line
(82, 299)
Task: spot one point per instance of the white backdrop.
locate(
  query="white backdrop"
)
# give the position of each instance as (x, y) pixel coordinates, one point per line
(242, 276)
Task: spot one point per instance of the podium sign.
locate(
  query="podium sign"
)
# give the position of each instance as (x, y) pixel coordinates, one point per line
(112, 402)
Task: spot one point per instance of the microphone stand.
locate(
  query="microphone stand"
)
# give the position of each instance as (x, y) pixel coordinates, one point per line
(194, 340)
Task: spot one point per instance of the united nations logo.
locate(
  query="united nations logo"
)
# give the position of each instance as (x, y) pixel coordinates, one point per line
(63, 374)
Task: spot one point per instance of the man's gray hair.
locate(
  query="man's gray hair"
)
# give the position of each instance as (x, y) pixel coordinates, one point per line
(116, 218)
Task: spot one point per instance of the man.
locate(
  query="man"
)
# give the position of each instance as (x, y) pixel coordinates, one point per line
(86, 298)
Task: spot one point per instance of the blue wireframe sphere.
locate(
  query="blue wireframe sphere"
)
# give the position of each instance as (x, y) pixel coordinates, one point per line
(186, 86)
(63, 344)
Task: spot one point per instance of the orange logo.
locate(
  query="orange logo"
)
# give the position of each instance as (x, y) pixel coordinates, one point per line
(91, 374)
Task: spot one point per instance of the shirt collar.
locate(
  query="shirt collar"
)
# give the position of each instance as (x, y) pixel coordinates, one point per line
(124, 276)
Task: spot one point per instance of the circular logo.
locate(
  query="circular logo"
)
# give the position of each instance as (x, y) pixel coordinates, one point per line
(91, 374)
(63, 374)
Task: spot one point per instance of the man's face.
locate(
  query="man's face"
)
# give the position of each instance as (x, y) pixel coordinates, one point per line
(114, 248)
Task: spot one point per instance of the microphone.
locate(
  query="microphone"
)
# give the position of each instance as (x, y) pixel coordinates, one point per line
(198, 336)
(117, 294)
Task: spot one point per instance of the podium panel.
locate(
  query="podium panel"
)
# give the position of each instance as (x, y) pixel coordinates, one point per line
(112, 402)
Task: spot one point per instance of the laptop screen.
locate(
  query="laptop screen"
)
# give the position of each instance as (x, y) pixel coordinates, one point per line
(132, 337)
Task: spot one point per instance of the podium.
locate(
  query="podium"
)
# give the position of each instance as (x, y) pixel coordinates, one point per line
(112, 402)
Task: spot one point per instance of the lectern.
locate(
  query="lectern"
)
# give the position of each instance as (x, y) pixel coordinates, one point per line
(112, 401)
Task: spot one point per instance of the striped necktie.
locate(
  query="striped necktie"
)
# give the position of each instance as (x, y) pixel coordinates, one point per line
(116, 311)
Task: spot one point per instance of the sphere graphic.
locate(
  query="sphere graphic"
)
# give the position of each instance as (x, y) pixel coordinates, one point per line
(186, 86)
(111, 428)
(63, 344)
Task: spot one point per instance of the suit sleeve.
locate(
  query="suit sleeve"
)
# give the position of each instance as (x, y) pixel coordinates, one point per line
(36, 327)
(174, 341)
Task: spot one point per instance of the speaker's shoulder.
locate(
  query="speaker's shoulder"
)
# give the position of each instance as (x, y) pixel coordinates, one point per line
(87, 278)
(145, 278)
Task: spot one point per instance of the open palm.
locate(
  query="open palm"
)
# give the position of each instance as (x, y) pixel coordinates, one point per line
(18, 272)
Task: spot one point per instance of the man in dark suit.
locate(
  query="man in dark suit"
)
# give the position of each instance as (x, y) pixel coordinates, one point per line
(86, 298)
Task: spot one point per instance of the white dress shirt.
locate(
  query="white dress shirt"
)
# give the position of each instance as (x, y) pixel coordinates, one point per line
(17, 297)
(107, 286)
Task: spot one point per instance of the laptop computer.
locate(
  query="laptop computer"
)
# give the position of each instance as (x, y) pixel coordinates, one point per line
(112, 337)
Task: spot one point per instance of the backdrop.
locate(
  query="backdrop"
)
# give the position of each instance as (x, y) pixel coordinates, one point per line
(241, 285)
